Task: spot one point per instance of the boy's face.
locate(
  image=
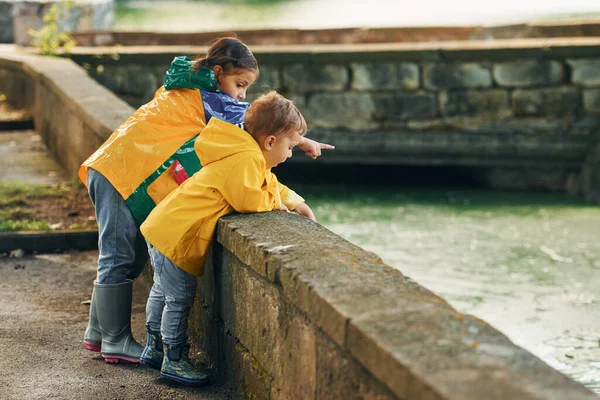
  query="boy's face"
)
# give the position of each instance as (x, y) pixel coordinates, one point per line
(277, 149)
(236, 82)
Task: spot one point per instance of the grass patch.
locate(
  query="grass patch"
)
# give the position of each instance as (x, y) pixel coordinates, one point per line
(14, 213)
(14, 194)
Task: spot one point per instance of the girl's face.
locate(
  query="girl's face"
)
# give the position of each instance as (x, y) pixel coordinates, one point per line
(235, 82)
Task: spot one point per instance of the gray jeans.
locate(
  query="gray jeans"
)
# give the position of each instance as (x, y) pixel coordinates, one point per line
(170, 300)
(123, 250)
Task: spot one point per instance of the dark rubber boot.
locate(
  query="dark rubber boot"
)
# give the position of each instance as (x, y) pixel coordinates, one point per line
(177, 367)
(153, 354)
(92, 339)
(113, 309)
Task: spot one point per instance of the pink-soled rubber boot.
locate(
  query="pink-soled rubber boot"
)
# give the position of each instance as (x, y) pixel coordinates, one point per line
(113, 310)
(92, 340)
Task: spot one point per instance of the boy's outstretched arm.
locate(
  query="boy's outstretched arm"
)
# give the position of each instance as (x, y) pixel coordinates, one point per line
(304, 210)
(313, 148)
(244, 188)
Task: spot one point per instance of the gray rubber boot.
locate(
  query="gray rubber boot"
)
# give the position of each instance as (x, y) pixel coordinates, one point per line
(92, 340)
(113, 308)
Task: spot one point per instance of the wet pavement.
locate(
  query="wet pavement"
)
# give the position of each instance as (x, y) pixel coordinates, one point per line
(24, 159)
(42, 322)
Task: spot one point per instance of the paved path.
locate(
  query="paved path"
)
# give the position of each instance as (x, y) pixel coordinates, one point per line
(42, 322)
(24, 159)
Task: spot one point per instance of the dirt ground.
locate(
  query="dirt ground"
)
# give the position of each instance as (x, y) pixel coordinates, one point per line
(76, 211)
(42, 322)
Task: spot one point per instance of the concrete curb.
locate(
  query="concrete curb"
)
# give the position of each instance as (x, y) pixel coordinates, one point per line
(48, 242)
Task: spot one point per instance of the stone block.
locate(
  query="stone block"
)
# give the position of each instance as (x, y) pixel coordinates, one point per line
(254, 381)
(341, 377)
(475, 102)
(526, 178)
(113, 78)
(590, 175)
(585, 72)
(591, 101)
(528, 102)
(149, 84)
(447, 355)
(385, 76)
(272, 330)
(406, 105)
(456, 76)
(305, 78)
(530, 125)
(268, 80)
(529, 73)
(132, 80)
(347, 110)
(558, 102)
(586, 126)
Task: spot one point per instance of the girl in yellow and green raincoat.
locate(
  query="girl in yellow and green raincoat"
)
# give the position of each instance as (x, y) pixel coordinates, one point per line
(145, 159)
(135, 169)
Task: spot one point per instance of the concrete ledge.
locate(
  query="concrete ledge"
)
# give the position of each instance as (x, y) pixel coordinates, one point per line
(256, 37)
(48, 242)
(440, 51)
(71, 111)
(290, 310)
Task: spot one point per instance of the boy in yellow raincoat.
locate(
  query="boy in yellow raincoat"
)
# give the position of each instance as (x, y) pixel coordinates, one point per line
(236, 176)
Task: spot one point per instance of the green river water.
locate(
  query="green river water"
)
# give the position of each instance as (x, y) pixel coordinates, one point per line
(527, 263)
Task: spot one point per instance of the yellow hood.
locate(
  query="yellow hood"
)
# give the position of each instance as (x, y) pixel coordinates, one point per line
(221, 140)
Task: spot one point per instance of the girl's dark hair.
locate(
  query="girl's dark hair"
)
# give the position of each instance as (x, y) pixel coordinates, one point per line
(230, 53)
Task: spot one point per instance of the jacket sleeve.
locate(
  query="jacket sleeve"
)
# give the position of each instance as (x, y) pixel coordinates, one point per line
(288, 197)
(247, 190)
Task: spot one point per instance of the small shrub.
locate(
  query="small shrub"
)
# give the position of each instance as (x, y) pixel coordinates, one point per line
(49, 40)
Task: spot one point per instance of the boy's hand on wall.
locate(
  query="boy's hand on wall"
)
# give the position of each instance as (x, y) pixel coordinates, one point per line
(313, 148)
(304, 210)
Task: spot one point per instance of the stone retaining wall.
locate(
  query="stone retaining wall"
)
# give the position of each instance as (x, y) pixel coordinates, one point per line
(73, 113)
(524, 109)
(289, 310)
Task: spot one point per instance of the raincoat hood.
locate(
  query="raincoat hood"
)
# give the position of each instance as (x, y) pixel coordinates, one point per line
(224, 140)
(181, 75)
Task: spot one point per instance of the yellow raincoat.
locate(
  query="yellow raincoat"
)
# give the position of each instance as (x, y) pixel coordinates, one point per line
(234, 177)
(140, 157)
(146, 140)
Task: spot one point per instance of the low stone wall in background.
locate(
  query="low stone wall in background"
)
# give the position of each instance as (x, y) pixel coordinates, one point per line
(522, 113)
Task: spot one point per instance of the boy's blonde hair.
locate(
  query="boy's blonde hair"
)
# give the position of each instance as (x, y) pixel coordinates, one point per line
(273, 114)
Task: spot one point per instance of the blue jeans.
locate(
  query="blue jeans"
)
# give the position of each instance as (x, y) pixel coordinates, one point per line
(170, 300)
(123, 250)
